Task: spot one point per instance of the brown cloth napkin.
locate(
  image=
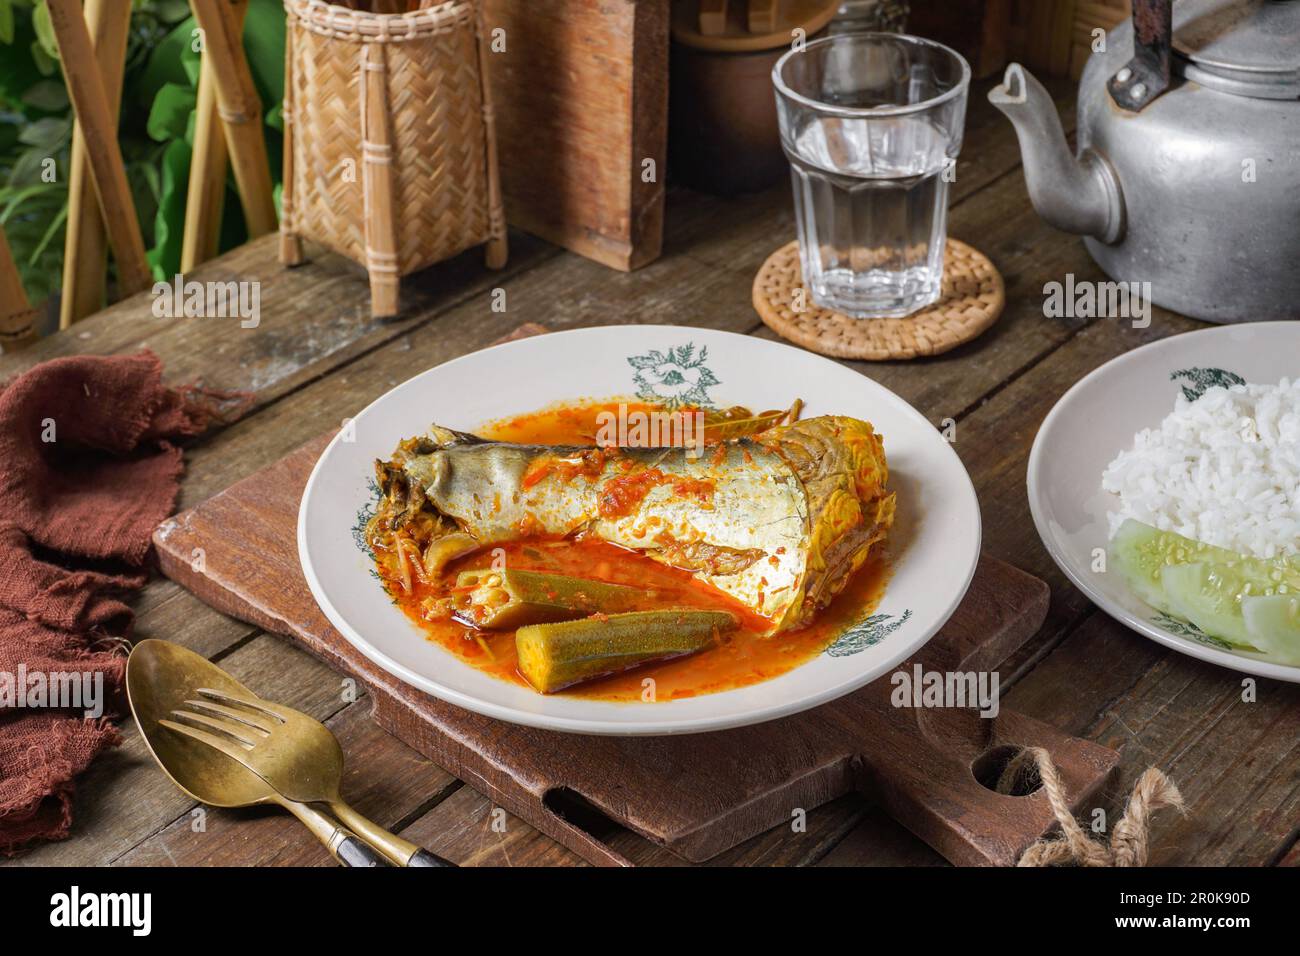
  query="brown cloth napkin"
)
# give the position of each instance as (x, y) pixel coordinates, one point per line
(88, 468)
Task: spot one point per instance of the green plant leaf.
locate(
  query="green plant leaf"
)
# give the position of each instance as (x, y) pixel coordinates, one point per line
(45, 31)
(55, 229)
(164, 64)
(170, 113)
(47, 95)
(264, 45)
(149, 175)
(18, 69)
(192, 64)
(170, 11)
(27, 168)
(8, 137)
(48, 134)
(6, 22)
(46, 64)
(165, 256)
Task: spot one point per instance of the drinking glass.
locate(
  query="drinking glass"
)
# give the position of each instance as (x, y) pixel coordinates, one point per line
(872, 125)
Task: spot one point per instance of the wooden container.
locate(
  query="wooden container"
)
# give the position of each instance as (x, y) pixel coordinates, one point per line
(580, 92)
(390, 157)
(723, 136)
(977, 29)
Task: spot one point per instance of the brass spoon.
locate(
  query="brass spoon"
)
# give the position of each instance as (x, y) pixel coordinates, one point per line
(291, 754)
(160, 676)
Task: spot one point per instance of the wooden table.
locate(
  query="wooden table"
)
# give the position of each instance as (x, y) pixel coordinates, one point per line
(317, 357)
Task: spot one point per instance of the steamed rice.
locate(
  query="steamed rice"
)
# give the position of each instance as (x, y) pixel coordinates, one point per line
(1224, 469)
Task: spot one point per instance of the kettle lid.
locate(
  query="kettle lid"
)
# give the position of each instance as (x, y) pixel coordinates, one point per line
(1245, 47)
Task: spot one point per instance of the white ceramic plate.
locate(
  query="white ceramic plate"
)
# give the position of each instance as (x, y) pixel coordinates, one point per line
(1098, 418)
(934, 544)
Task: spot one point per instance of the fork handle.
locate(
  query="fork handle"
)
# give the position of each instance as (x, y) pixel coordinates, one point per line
(398, 851)
(423, 857)
(344, 845)
(352, 851)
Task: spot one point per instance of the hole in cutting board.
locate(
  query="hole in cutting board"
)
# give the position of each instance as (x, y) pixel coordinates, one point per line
(574, 808)
(989, 766)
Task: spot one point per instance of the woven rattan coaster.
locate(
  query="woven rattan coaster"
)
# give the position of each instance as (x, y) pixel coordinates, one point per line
(972, 300)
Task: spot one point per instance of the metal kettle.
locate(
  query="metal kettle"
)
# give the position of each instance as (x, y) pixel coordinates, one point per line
(1188, 171)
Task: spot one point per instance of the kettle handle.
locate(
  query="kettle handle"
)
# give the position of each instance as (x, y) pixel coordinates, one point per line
(1147, 75)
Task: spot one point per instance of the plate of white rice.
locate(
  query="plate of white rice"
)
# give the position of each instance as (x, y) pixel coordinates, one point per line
(1197, 434)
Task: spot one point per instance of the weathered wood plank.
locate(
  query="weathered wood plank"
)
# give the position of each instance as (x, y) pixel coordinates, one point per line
(822, 828)
(1292, 856)
(468, 830)
(168, 611)
(311, 319)
(879, 840)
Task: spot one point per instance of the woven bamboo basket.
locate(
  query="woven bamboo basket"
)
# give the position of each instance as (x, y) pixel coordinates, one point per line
(390, 152)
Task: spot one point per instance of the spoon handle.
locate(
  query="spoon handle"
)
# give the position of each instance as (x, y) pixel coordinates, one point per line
(343, 844)
(423, 857)
(352, 851)
(400, 852)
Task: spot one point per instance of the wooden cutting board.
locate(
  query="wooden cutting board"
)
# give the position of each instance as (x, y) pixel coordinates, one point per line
(580, 92)
(696, 795)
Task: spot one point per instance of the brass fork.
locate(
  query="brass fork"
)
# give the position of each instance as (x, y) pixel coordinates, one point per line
(298, 756)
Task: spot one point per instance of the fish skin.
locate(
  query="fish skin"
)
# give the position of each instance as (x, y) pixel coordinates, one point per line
(759, 501)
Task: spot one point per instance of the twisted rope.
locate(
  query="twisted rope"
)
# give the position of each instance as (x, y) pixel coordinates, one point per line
(1129, 841)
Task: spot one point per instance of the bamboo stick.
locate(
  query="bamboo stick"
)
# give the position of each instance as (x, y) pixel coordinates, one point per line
(108, 171)
(85, 247)
(17, 317)
(290, 241)
(377, 163)
(498, 247)
(241, 113)
(207, 185)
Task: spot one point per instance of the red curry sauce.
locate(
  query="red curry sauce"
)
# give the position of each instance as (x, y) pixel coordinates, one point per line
(743, 657)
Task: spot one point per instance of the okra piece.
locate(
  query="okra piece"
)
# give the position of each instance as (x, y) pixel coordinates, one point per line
(555, 656)
(504, 600)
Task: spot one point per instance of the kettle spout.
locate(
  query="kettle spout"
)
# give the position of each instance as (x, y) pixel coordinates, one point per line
(1077, 195)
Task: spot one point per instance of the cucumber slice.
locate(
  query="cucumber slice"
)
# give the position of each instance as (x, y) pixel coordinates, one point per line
(1208, 597)
(1140, 552)
(1273, 625)
(1206, 585)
